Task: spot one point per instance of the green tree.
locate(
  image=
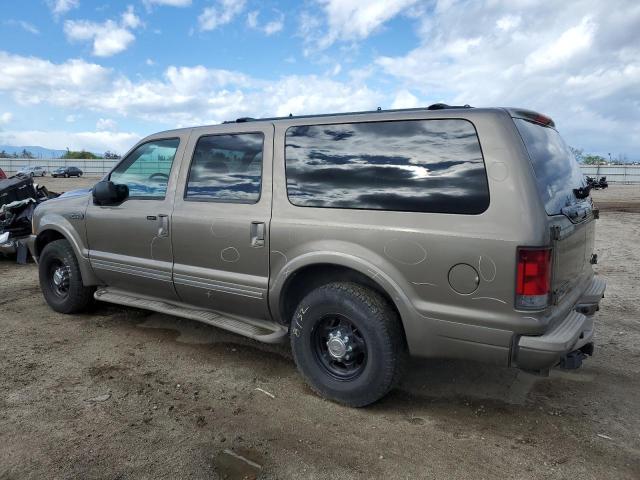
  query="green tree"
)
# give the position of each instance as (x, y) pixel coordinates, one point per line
(81, 154)
(590, 159)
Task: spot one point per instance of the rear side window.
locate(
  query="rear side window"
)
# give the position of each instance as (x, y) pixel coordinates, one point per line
(412, 165)
(555, 168)
(226, 168)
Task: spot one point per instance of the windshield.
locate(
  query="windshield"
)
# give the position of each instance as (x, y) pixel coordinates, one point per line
(556, 170)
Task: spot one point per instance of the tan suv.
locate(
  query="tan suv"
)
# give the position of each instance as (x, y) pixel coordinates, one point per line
(364, 237)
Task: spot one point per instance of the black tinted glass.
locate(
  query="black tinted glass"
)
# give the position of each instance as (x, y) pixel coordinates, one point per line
(555, 168)
(413, 165)
(226, 168)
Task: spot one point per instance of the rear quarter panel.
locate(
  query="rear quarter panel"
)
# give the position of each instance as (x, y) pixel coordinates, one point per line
(410, 254)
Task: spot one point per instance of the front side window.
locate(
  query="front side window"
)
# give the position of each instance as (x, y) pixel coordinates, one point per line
(412, 165)
(146, 170)
(226, 168)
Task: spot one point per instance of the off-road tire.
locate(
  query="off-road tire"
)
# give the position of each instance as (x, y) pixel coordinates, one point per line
(380, 327)
(78, 296)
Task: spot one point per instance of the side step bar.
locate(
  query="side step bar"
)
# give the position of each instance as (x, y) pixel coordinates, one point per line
(261, 330)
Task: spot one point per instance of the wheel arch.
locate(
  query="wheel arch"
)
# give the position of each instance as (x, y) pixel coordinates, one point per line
(305, 273)
(49, 233)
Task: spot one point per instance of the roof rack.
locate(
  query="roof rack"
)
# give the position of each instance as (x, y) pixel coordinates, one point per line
(435, 106)
(444, 106)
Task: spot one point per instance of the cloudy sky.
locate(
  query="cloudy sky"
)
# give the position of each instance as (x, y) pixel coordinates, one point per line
(100, 75)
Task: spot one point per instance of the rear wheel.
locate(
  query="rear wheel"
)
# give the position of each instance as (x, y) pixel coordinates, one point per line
(348, 343)
(61, 280)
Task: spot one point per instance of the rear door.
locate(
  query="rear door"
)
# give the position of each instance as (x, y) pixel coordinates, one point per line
(221, 219)
(130, 243)
(571, 218)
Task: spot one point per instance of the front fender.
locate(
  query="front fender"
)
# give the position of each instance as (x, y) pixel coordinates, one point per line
(57, 222)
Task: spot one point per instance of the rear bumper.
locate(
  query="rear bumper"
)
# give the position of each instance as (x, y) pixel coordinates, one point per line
(571, 334)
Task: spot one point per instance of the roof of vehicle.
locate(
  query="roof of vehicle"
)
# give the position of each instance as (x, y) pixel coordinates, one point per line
(435, 108)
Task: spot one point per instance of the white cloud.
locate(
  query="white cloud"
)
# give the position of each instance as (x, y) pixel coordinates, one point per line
(220, 14)
(252, 19)
(508, 22)
(129, 19)
(26, 26)
(106, 125)
(578, 63)
(98, 142)
(405, 99)
(31, 80)
(573, 41)
(350, 20)
(109, 38)
(6, 118)
(273, 26)
(183, 96)
(60, 7)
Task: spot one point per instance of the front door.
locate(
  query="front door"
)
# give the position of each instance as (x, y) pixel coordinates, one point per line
(221, 220)
(130, 243)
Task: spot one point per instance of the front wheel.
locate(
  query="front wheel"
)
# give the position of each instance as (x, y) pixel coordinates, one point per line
(348, 343)
(61, 280)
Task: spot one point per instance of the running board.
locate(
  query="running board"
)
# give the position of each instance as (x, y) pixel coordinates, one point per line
(261, 330)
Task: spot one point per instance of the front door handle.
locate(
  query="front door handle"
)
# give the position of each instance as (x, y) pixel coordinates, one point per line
(257, 234)
(163, 225)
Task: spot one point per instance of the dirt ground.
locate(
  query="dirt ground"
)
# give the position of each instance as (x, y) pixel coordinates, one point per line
(120, 393)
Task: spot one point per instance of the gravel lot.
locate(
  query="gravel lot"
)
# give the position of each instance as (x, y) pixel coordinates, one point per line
(121, 393)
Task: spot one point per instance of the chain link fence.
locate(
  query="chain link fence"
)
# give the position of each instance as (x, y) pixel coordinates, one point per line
(89, 167)
(614, 173)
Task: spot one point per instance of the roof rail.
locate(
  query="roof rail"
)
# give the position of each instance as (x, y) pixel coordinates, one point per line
(444, 106)
(435, 106)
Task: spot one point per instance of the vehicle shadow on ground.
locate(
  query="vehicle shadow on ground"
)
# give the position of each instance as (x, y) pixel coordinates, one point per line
(426, 381)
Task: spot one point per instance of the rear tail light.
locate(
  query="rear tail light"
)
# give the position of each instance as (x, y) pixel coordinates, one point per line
(533, 278)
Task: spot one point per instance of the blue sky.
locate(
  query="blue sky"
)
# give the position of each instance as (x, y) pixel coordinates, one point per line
(100, 75)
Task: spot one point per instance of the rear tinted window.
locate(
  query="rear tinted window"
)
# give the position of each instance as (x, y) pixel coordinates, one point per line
(413, 165)
(226, 168)
(555, 168)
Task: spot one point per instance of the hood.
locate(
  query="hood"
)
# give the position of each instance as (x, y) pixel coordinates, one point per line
(81, 192)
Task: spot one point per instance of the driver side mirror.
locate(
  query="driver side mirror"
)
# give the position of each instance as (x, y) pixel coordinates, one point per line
(109, 193)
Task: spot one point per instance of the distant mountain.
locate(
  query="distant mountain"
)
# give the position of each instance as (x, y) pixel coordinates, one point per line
(37, 152)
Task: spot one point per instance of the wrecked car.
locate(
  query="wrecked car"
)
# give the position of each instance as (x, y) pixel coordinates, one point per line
(18, 199)
(362, 238)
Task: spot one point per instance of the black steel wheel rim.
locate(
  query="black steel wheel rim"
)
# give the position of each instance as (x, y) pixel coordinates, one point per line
(339, 347)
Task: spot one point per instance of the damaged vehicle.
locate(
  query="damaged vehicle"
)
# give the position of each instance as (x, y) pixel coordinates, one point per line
(18, 198)
(361, 238)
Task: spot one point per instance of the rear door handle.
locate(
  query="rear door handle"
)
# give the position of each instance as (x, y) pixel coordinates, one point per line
(163, 228)
(257, 234)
